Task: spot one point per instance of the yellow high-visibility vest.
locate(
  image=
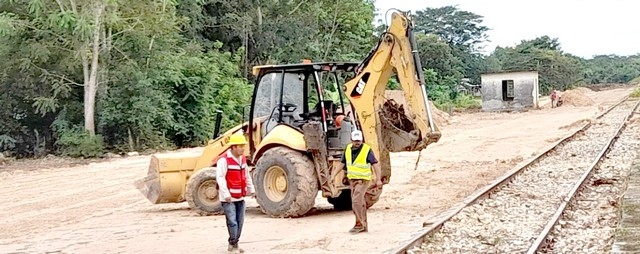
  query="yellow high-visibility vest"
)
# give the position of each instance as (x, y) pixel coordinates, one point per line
(360, 168)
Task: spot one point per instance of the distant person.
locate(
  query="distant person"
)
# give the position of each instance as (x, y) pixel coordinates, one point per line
(234, 182)
(554, 99)
(359, 160)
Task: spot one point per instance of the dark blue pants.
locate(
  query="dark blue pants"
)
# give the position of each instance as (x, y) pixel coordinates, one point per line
(234, 213)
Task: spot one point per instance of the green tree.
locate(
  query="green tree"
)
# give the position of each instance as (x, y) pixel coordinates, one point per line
(150, 88)
(437, 55)
(611, 69)
(557, 70)
(275, 32)
(462, 29)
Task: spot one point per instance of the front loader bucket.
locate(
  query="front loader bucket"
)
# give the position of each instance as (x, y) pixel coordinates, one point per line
(150, 185)
(166, 179)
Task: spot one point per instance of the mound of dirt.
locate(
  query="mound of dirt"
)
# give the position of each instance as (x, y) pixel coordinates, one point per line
(439, 117)
(583, 89)
(577, 97)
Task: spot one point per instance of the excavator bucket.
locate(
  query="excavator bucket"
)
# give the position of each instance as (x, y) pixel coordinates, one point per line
(400, 133)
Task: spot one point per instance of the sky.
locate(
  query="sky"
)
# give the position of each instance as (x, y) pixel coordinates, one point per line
(584, 28)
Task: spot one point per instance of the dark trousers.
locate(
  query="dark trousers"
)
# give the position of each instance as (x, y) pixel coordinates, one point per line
(234, 213)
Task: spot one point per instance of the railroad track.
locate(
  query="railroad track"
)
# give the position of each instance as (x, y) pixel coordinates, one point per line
(517, 212)
(590, 221)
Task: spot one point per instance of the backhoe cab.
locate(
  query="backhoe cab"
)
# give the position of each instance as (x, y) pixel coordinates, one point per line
(300, 121)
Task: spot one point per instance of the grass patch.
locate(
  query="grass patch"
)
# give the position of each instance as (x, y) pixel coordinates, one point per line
(464, 101)
(461, 102)
(636, 92)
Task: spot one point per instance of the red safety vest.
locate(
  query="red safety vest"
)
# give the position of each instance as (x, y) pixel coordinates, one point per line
(236, 176)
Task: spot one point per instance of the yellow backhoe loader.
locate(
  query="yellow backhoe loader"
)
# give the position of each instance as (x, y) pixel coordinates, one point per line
(297, 133)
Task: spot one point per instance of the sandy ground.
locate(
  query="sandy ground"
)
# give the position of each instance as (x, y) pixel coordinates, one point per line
(96, 209)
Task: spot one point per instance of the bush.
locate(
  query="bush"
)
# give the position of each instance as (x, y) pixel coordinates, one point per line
(636, 92)
(465, 101)
(74, 140)
(79, 143)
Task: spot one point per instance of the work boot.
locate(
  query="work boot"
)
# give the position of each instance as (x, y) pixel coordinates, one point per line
(357, 229)
(230, 248)
(237, 249)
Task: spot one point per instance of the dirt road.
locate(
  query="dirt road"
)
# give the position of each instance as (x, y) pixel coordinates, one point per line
(96, 209)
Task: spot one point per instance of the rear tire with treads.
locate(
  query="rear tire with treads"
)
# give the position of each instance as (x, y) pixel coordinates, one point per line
(286, 183)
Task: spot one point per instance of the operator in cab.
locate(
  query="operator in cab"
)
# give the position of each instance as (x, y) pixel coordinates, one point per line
(234, 182)
(359, 160)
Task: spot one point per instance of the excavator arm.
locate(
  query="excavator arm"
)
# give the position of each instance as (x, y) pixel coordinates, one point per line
(387, 126)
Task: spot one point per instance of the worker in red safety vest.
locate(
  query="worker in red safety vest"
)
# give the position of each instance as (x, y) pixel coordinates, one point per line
(554, 99)
(234, 182)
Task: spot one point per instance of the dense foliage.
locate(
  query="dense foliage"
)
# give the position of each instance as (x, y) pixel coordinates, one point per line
(83, 77)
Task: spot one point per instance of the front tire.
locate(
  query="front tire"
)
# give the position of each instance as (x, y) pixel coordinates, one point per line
(286, 183)
(202, 193)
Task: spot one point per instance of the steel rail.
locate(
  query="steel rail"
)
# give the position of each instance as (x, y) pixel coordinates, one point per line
(540, 242)
(437, 222)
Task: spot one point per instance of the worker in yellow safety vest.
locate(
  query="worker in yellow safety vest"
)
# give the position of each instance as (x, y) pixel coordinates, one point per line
(359, 160)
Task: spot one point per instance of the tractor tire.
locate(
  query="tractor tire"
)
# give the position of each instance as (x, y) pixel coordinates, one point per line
(343, 201)
(202, 193)
(286, 183)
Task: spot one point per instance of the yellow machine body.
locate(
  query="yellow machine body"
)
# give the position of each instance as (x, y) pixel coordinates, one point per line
(168, 173)
(302, 150)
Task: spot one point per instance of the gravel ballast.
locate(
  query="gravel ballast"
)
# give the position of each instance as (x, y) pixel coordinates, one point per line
(509, 220)
(589, 223)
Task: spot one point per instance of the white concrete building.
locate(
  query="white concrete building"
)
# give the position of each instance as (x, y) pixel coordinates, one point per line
(506, 91)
